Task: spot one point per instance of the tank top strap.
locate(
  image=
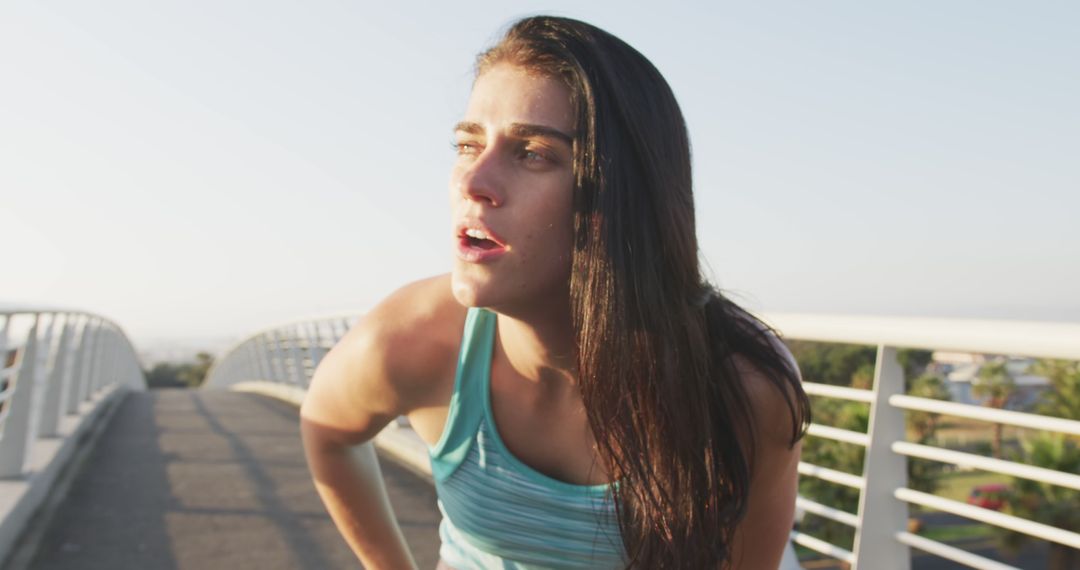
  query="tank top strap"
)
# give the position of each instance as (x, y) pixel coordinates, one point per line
(467, 402)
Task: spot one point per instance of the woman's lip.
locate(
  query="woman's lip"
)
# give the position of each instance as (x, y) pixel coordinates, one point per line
(473, 254)
(474, 224)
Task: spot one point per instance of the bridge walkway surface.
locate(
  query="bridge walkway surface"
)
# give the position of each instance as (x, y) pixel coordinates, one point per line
(200, 479)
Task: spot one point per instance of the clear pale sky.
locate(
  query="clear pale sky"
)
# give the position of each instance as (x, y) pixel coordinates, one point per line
(205, 169)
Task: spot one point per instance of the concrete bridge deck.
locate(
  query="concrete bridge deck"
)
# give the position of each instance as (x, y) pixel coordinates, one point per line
(210, 479)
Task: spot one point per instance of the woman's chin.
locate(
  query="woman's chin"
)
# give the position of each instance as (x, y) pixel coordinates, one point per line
(468, 290)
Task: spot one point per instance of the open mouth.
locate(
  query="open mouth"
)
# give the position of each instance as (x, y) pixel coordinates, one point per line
(479, 239)
(477, 245)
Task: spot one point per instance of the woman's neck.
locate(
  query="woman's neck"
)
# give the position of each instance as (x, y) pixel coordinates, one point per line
(540, 347)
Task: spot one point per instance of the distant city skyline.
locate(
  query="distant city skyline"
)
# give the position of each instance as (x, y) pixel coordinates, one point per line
(203, 172)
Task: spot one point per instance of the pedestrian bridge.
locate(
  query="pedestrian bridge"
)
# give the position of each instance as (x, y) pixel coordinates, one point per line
(98, 472)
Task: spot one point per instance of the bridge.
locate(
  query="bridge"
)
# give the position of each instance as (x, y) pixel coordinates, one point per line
(98, 472)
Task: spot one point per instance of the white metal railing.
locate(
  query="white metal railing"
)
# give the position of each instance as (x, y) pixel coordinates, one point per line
(285, 354)
(881, 522)
(52, 361)
(288, 355)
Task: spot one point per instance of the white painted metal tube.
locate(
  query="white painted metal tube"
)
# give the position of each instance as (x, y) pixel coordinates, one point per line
(951, 553)
(821, 510)
(1021, 470)
(1018, 419)
(1046, 340)
(287, 354)
(831, 475)
(838, 392)
(818, 545)
(15, 435)
(837, 434)
(1031, 528)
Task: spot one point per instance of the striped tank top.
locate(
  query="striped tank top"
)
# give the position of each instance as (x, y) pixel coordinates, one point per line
(499, 513)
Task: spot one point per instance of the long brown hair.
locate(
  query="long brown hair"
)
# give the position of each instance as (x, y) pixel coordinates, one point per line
(656, 344)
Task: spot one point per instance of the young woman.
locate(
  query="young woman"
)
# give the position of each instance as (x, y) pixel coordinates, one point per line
(588, 400)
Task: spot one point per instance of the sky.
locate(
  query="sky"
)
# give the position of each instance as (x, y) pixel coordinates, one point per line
(199, 170)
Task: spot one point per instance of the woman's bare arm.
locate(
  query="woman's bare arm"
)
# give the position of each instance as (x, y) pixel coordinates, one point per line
(763, 534)
(381, 369)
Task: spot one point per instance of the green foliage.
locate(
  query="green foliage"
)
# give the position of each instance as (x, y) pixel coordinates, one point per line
(923, 475)
(1063, 399)
(182, 375)
(831, 363)
(1041, 502)
(1048, 504)
(924, 424)
(845, 457)
(914, 361)
(853, 365)
(995, 387)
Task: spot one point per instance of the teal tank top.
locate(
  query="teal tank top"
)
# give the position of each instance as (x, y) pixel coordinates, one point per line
(499, 513)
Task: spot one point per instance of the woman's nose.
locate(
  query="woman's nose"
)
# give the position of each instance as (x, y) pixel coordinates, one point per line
(483, 179)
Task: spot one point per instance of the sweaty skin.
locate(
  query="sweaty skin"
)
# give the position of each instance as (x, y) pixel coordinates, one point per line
(513, 179)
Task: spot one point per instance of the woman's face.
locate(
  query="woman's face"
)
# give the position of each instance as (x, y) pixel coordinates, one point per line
(511, 191)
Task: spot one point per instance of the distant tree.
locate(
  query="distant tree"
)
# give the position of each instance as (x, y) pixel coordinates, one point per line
(164, 375)
(914, 361)
(924, 475)
(194, 374)
(854, 416)
(1045, 503)
(180, 375)
(863, 377)
(831, 363)
(854, 365)
(1063, 398)
(1041, 502)
(924, 424)
(995, 387)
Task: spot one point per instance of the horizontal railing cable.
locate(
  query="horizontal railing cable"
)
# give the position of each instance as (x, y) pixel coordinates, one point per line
(951, 553)
(831, 475)
(961, 459)
(822, 547)
(838, 392)
(837, 434)
(821, 510)
(1006, 417)
(1002, 520)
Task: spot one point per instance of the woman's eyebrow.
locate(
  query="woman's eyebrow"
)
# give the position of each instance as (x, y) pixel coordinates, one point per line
(523, 130)
(519, 130)
(469, 127)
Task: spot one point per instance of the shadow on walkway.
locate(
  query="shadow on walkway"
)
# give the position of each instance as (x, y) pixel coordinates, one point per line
(212, 479)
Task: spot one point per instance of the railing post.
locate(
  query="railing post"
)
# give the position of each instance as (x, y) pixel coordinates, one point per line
(251, 364)
(49, 425)
(266, 363)
(315, 348)
(111, 360)
(137, 381)
(101, 359)
(882, 515)
(257, 362)
(14, 441)
(42, 372)
(293, 334)
(280, 358)
(3, 340)
(91, 342)
(78, 370)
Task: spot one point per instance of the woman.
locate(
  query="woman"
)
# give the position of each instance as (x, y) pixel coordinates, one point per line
(605, 408)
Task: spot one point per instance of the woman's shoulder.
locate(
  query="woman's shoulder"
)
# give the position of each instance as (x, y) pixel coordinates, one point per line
(413, 334)
(399, 357)
(770, 378)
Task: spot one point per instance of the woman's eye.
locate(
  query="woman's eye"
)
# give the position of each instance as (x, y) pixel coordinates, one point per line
(466, 148)
(533, 156)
